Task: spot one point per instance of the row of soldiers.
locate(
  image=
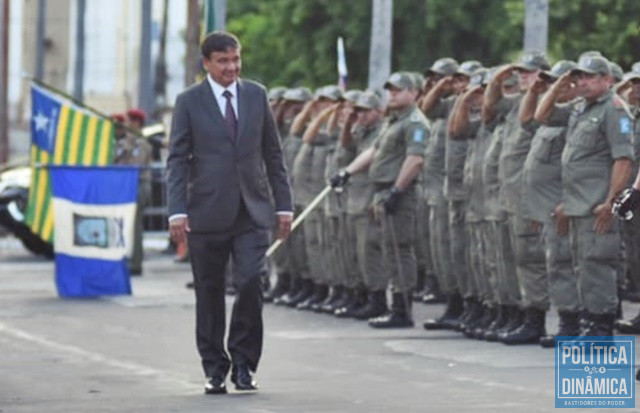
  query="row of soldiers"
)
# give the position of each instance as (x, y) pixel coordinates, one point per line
(495, 184)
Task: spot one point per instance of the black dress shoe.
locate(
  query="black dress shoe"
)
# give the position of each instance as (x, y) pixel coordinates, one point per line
(241, 377)
(215, 385)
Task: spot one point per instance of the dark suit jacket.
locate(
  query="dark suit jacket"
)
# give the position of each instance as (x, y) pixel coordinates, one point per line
(209, 171)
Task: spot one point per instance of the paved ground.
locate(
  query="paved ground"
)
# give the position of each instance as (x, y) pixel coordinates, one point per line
(137, 354)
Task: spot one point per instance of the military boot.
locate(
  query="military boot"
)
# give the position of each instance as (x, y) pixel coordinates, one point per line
(473, 314)
(280, 288)
(320, 292)
(333, 295)
(489, 314)
(399, 317)
(376, 306)
(569, 325)
(515, 321)
(448, 320)
(502, 316)
(356, 301)
(305, 291)
(631, 326)
(597, 325)
(530, 331)
(294, 288)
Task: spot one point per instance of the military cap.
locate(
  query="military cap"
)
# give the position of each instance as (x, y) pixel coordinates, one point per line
(400, 80)
(445, 66)
(118, 117)
(368, 100)
(299, 94)
(276, 93)
(511, 81)
(352, 95)
(478, 77)
(467, 68)
(589, 53)
(137, 114)
(331, 92)
(634, 73)
(418, 79)
(531, 61)
(593, 64)
(616, 71)
(560, 68)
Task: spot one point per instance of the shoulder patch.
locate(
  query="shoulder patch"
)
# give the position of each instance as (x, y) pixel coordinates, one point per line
(625, 125)
(418, 135)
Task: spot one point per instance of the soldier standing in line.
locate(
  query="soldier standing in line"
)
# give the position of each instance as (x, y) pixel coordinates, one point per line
(596, 164)
(630, 88)
(542, 192)
(132, 149)
(528, 254)
(309, 180)
(290, 259)
(366, 118)
(450, 80)
(394, 163)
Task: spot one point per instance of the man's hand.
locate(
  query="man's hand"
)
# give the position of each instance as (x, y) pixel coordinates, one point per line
(627, 202)
(284, 225)
(339, 180)
(445, 84)
(504, 73)
(391, 201)
(178, 229)
(562, 221)
(538, 86)
(604, 217)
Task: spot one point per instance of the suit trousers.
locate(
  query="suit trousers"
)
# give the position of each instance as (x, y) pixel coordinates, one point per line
(246, 244)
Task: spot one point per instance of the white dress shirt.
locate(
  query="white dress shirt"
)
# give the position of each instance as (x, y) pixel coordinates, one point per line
(218, 91)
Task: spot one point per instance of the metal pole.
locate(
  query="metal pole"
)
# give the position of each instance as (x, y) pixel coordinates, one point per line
(381, 37)
(536, 25)
(145, 81)
(42, 6)
(78, 74)
(4, 82)
(161, 64)
(220, 7)
(193, 55)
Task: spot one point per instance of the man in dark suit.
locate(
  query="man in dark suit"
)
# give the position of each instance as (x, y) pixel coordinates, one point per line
(224, 155)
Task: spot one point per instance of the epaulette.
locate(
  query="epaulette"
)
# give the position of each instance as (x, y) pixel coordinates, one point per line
(620, 103)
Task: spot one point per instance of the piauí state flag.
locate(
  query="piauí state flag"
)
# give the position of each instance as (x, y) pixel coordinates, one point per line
(94, 211)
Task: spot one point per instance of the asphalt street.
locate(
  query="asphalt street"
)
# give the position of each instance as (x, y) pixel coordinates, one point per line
(137, 354)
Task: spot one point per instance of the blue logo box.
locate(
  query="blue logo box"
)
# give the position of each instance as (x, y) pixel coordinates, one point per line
(595, 372)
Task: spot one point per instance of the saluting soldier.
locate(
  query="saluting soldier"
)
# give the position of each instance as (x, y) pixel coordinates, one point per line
(596, 165)
(394, 163)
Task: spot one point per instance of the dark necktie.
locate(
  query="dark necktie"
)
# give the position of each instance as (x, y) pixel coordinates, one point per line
(229, 115)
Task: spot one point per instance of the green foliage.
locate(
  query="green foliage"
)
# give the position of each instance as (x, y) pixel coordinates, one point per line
(293, 42)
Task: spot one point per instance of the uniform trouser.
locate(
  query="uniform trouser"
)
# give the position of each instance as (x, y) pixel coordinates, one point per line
(369, 256)
(508, 289)
(401, 224)
(459, 247)
(563, 287)
(441, 247)
(335, 250)
(314, 236)
(137, 252)
(531, 267)
(630, 231)
(423, 239)
(296, 244)
(596, 259)
(476, 283)
(354, 276)
(490, 262)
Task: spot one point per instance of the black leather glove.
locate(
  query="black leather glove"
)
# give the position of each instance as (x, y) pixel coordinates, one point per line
(391, 201)
(627, 202)
(339, 180)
